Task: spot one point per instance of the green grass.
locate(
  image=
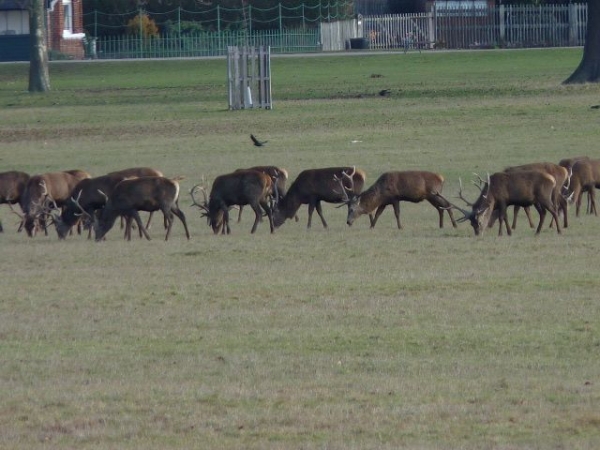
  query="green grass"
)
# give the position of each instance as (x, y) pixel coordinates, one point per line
(340, 338)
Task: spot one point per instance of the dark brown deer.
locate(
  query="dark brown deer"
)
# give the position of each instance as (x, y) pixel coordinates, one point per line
(585, 177)
(279, 176)
(90, 195)
(12, 187)
(314, 186)
(502, 189)
(245, 187)
(52, 187)
(393, 187)
(560, 174)
(141, 194)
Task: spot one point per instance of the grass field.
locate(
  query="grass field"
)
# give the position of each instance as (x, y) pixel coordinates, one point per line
(345, 338)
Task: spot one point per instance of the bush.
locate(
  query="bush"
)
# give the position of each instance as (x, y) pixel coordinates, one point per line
(144, 23)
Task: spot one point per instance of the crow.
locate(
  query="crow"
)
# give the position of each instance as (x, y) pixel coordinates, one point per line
(256, 142)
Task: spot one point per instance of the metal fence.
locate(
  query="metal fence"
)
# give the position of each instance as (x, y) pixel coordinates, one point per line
(206, 44)
(489, 27)
(209, 18)
(480, 27)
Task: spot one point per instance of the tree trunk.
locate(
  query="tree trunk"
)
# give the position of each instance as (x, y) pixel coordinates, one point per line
(589, 67)
(39, 77)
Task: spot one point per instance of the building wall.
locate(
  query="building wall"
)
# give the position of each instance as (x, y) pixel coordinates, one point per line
(58, 40)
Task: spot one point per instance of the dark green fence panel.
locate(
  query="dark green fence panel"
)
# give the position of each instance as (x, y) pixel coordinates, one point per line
(206, 44)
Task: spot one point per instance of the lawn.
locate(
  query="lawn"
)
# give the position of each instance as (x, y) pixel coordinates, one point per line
(339, 338)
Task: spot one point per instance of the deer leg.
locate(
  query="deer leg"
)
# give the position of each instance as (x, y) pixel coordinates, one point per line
(140, 224)
(442, 206)
(396, 206)
(258, 213)
(503, 220)
(226, 221)
(528, 214)
(150, 219)
(591, 196)
(269, 212)
(320, 213)
(311, 208)
(179, 213)
(563, 206)
(168, 219)
(376, 216)
(577, 195)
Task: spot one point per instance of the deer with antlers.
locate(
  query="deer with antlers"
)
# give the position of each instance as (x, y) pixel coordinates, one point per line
(44, 192)
(90, 195)
(244, 187)
(393, 187)
(140, 194)
(503, 189)
(314, 186)
(278, 174)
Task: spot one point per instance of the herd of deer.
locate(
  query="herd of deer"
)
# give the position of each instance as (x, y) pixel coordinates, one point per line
(72, 198)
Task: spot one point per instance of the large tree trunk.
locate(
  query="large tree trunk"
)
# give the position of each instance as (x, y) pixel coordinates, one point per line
(39, 78)
(589, 67)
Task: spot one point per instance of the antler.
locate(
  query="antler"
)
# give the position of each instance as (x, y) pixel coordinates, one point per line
(76, 203)
(466, 213)
(460, 193)
(203, 206)
(345, 189)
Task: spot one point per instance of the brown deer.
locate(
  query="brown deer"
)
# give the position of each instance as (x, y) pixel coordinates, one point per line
(502, 189)
(585, 177)
(279, 176)
(140, 194)
(560, 174)
(52, 187)
(314, 186)
(393, 187)
(245, 187)
(90, 195)
(12, 187)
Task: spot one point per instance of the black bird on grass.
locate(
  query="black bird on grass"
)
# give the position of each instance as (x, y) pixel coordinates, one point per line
(384, 92)
(256, 142)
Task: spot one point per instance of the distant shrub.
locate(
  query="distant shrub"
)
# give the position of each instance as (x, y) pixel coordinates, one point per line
(143, 23)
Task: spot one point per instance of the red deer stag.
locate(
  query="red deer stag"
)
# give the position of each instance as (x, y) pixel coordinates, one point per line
(246, 187)
(585, 176)
(313, 186)
(53, 187)
(12, 186)
(141, 194)
(560, 174)
(90, 195)
(278, 174)
(393, 187)
(582, 180)
(502, 189)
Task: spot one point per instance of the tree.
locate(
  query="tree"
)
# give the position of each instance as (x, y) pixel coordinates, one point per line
(39, 77)
(588, 70)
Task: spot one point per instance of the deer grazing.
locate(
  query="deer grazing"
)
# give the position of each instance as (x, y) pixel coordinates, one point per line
(560, 174)
(279, 176)
(90, 195)
(12, 187)
(244, 187)
(314, 186)
(502, 189)
(42, 190)
(393, 187)
(585, 177)
(140, 194)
